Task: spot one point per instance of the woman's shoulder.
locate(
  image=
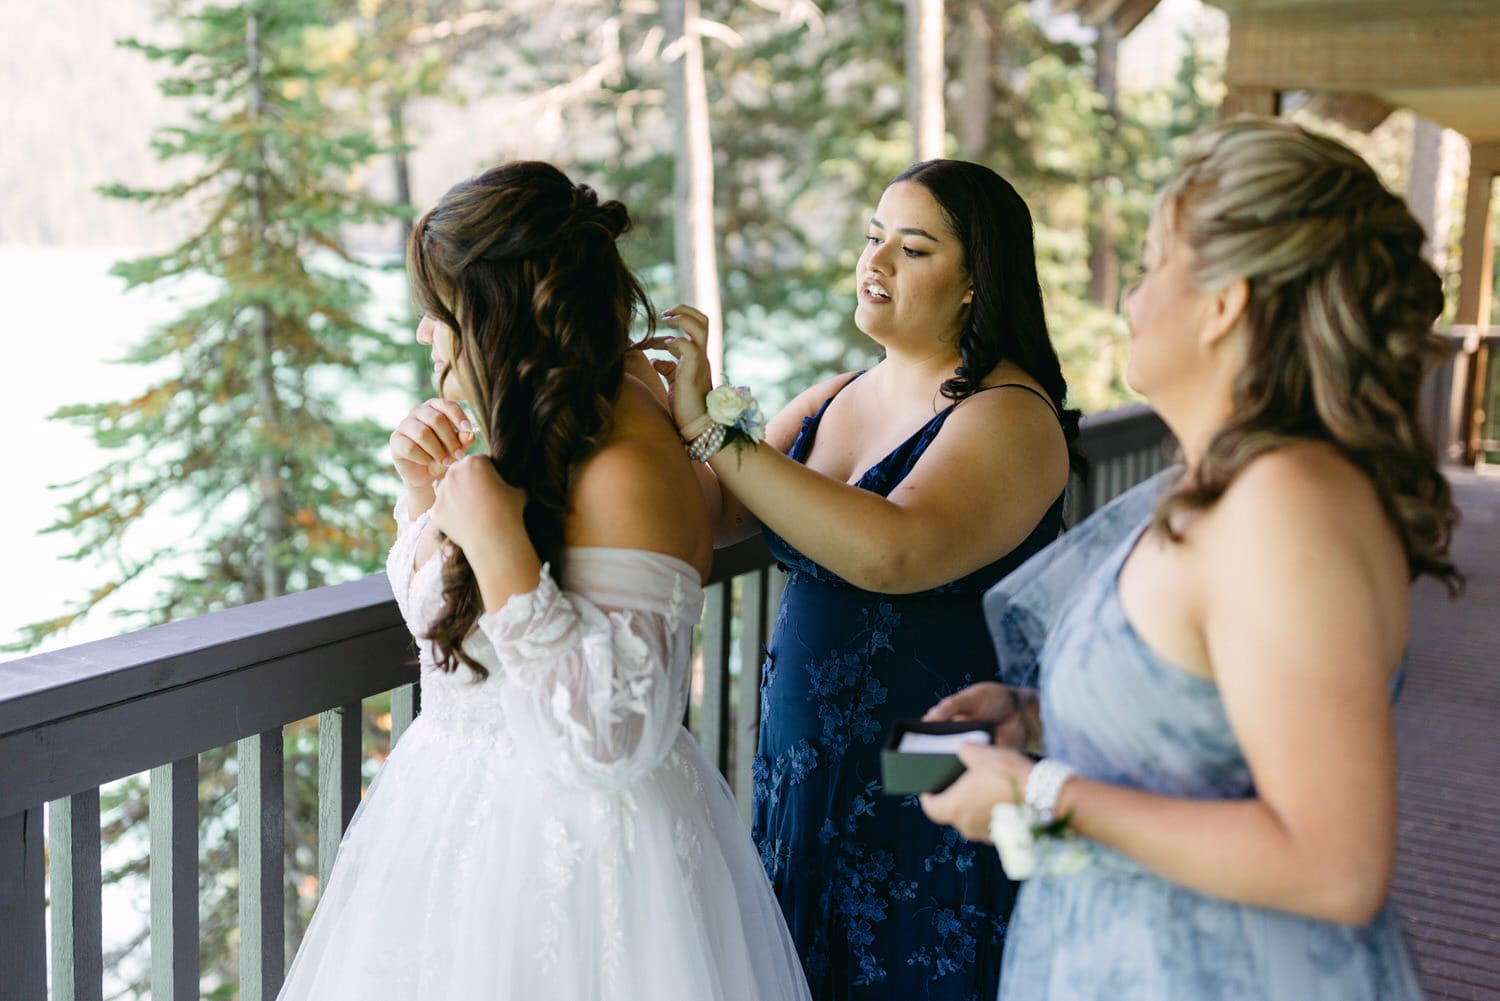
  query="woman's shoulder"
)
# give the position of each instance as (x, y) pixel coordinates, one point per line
(808, 402)
(1309, 498)
(638, 489)
(1300, 480)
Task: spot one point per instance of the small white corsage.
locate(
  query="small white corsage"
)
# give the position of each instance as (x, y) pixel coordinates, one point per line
(733, 418)
(1015, 828)
(737, 411)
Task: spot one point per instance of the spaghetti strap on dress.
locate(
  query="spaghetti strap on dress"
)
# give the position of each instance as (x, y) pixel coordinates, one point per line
(1118, 712)
(881, 902)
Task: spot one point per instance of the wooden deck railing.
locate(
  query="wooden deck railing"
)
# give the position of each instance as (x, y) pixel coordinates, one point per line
(1461, 401)
(75, 719)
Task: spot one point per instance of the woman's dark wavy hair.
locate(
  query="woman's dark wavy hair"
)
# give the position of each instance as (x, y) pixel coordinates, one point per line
(522, 265)
(1340, 318)
(1006, 321)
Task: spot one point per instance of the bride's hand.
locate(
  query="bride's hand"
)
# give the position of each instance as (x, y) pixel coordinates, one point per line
(479, 512)
(429, 441)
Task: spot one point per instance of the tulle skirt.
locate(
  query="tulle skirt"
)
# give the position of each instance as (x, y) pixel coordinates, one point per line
(468, 874)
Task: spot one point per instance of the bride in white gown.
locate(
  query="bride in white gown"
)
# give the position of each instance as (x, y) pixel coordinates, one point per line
(545, 829)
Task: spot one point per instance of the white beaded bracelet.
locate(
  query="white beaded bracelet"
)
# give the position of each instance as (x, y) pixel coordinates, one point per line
(1044, 786)
(707, 444)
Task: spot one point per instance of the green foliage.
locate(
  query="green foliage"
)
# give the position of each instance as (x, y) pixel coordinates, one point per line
(244, 431)
(808, 118)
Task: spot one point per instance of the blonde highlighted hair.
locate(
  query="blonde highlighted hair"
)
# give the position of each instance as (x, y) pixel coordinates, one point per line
(1340, 317)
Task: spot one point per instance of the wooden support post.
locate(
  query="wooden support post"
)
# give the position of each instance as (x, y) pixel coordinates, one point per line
(174, 880)
(77, 912)
(23, 946)
(1475, 295)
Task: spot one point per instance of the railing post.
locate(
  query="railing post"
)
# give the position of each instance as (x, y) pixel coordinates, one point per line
(754, 592)
(262, 890)
(338, 781)
(174, 881)
(23, 947)
(406, 703)
(713, 721)
(77, 910)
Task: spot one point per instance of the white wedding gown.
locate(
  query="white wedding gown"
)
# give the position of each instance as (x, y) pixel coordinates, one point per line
(551, 833)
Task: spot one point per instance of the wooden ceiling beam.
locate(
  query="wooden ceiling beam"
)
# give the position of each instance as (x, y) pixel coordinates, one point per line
(1361, 112)
(1132, 13)
(1387, 44)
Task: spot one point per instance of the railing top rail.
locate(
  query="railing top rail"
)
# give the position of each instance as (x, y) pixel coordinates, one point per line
(39, 688)
(1470, 335)
(94, 675)
(1113, 433)
(76, 717)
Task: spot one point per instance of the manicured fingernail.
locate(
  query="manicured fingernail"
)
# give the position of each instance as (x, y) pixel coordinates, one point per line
(669, 315)
(447, 462)
(465, 427)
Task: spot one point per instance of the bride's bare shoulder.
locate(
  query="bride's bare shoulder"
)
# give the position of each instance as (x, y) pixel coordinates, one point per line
(638, 491)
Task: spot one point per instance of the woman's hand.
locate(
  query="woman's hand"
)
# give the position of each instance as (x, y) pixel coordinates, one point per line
(992, 701)
(429, 441)
(689, 376)
(482, 515)
(479, 512)
(992, 775)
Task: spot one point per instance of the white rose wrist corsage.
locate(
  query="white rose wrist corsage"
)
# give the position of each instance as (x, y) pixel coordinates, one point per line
(1015, 828)
(733, 418)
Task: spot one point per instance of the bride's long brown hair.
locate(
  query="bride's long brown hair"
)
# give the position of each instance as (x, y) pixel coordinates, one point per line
(522, 265)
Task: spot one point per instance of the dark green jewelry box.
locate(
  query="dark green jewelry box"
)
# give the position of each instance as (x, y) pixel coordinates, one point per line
(903, 773)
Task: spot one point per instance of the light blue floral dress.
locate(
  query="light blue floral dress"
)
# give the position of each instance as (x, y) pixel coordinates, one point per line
(1119, 713)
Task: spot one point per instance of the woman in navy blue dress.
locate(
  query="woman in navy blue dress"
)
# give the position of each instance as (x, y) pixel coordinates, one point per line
(894, 498)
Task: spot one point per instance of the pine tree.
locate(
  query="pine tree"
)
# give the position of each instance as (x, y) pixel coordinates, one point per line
(245, 431)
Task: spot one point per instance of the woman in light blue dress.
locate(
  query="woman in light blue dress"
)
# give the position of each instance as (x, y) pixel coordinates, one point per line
(1216, 650)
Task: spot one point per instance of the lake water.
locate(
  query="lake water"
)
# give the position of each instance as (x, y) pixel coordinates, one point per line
(70, 320)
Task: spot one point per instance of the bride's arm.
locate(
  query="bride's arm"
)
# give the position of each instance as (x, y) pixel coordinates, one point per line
(594, 694)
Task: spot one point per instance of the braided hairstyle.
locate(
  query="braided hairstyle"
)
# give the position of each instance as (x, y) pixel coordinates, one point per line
(522, 265)
(1006, 321)
(1340, 315)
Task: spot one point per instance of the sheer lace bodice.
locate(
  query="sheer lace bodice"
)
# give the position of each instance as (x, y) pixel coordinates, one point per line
(588, 675)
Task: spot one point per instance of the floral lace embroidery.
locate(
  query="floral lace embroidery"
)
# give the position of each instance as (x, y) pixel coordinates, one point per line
(558, 866)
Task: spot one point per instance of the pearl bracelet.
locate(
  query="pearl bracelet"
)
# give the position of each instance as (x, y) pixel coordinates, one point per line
(706, 445)
(695, 427)
(1044, 786)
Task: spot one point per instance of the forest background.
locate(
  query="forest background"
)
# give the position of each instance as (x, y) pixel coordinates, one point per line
(221, 207)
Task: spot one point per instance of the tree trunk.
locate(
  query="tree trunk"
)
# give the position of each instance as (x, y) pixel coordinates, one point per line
(1104, 259)
(268, 478)
(401, 176)
(924, 77)
(400, 163)
(693, 178)
(977, 74)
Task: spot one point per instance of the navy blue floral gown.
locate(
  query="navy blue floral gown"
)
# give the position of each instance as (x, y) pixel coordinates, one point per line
(881, 902)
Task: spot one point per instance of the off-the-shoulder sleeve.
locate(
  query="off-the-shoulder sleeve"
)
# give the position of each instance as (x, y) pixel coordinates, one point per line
(596, 694)
(1021, 608)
